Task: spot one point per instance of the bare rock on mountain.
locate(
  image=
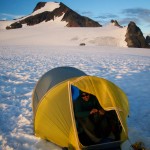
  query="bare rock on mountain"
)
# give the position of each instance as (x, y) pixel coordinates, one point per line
(76, 20)
(115, 23)
(39, 6)
(72, 18)
(148, 40)
(38, 18)
(134, 37)
(14, 26)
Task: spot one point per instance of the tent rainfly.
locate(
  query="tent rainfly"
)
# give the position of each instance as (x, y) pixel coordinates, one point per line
(52, 103)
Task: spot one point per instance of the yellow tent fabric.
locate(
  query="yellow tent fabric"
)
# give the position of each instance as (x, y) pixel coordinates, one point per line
(54, 118)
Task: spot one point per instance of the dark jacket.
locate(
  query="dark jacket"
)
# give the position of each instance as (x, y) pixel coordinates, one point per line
(82, 108)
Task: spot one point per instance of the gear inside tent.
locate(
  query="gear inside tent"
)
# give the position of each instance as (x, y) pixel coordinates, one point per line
(53, 106)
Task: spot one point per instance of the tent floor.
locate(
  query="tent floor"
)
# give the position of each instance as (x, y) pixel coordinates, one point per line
(105, 146)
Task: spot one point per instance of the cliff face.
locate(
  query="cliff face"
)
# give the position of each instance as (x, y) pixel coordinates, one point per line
(76, 20)
(134, 37)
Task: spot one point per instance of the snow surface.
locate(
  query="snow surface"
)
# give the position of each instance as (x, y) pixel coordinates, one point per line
(49, 6)
(27, 53)
(52, 33)
(4, 24)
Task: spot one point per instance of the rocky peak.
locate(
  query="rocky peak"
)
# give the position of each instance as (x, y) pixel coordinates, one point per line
(115, 23)
(148, 39)
(39, 6)
(134, 37)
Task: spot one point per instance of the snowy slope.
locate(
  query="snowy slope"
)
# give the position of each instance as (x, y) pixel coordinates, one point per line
(49, 6)
(55, 33)
(4, 24)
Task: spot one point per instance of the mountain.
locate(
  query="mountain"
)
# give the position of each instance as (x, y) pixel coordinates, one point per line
(47, 11)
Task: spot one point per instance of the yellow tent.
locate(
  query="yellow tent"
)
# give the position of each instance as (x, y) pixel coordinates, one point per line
(53, 105)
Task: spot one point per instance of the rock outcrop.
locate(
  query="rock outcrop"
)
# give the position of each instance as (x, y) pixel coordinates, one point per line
(39, 6)
(134, 37)
(115, 23)
(148, 39)
(14, 26)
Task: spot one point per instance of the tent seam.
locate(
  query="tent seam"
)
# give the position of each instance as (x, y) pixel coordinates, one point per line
(72, 116)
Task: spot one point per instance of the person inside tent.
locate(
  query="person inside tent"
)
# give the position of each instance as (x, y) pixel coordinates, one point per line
(93, 122)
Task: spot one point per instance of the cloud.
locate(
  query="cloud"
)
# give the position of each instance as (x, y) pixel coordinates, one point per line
(138, 13)
(140, 16)
(5, 16)
(126, 20)
(107, 16)
(87, 13)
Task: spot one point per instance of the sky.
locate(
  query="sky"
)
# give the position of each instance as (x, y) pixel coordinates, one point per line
(102, 11)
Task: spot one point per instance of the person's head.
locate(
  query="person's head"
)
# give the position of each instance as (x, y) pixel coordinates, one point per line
(85, 96)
